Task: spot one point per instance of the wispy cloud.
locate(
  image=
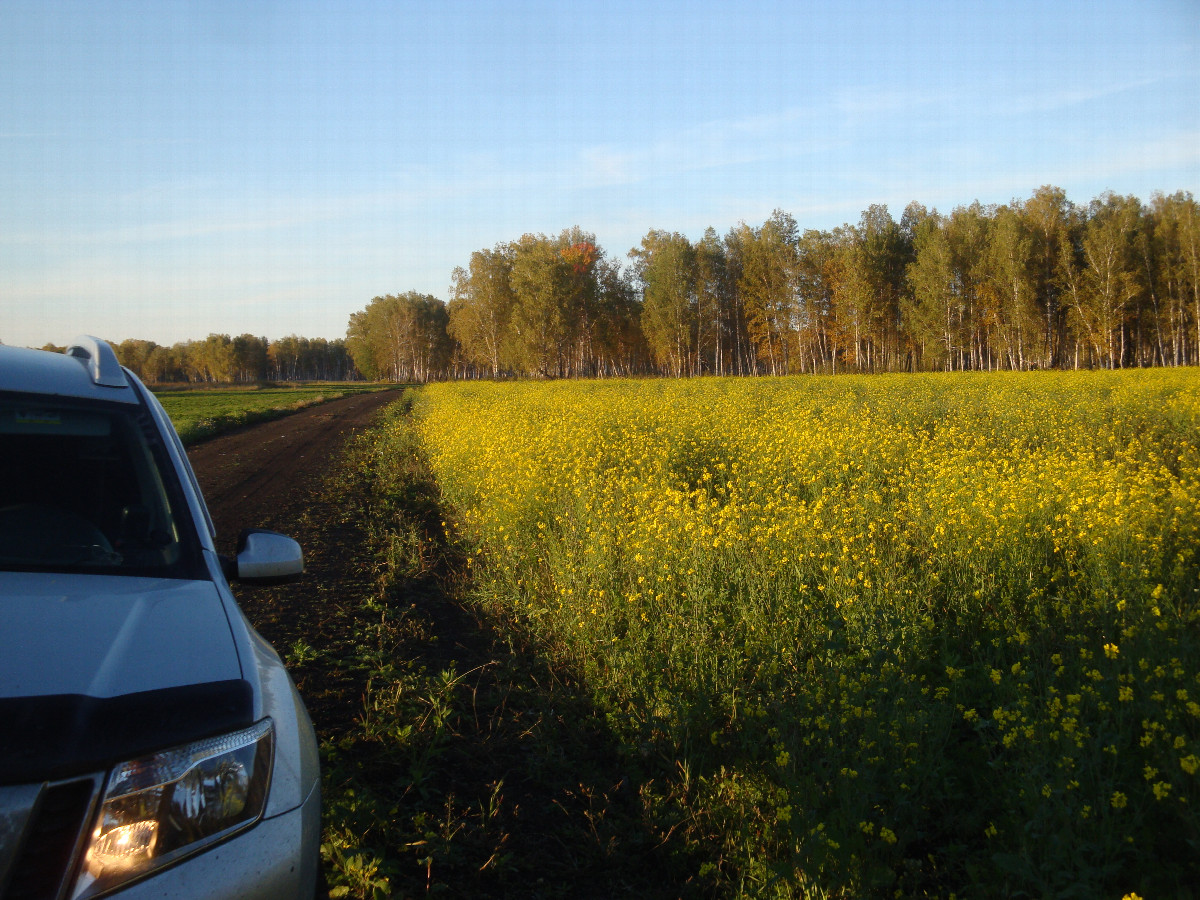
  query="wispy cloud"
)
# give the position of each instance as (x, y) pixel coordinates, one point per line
(827, 126)
(1169, 152)
(721, 143)
(871, 102)
(29, 136)
(1065, 97)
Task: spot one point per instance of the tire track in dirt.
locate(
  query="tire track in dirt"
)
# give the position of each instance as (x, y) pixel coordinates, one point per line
(264, 476)
(273, 475)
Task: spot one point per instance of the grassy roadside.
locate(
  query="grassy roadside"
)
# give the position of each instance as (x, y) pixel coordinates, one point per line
(458, 758)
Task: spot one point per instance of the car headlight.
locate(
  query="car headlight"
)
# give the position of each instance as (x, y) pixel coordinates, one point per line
(160, 808)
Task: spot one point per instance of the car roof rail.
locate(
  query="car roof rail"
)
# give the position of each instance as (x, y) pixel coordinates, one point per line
(100, 360)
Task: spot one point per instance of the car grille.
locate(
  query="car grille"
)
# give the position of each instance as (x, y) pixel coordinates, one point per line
(51, 840)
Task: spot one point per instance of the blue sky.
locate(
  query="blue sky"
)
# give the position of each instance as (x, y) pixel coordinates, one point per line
(172, 169)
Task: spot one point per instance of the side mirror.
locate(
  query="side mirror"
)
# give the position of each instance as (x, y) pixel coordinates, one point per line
(268, 556)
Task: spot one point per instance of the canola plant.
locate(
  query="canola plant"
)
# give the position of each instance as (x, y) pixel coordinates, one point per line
(920, 634)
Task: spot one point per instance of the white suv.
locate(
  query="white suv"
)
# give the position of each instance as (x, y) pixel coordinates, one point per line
(151, 742)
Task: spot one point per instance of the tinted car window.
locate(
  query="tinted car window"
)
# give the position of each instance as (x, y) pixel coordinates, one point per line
(89, 488)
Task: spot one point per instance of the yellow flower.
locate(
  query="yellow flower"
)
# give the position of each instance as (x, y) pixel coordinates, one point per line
(1118, 800)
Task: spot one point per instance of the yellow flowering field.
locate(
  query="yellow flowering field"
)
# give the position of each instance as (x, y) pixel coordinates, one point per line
(890, 635)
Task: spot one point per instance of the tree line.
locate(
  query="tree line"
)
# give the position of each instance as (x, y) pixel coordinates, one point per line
(1034, 284)
(1039, 283)
(242, 359)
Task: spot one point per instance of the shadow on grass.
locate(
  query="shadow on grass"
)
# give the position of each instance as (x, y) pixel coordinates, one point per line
(458, 759)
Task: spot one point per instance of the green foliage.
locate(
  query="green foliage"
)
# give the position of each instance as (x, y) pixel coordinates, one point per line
(400, 338)
(667, 267)
(544, 307)
(767, 262)
(245, 358)
(482, 307)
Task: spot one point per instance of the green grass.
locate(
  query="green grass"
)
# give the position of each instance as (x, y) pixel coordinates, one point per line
(202, 413)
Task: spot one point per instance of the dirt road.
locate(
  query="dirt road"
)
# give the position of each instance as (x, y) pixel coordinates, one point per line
(271, 476)
(264, 476)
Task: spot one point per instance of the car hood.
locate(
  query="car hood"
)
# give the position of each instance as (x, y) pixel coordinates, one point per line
(94, 668)
(104, 636)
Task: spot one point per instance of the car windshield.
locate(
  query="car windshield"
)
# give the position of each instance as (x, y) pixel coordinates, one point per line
(87, 488)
